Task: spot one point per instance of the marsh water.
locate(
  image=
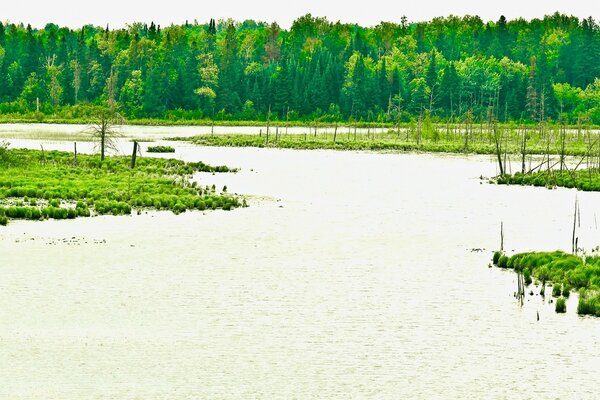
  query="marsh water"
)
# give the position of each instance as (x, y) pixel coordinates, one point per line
(351, 275)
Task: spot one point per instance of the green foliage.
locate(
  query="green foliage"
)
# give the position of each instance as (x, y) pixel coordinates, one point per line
(561, 305)
(160, 149)
(496, 257)
(55, 187)
(316, 69)
(589, 302)
(503, 261)
(556, 291)
(582, 179)
(527, 277)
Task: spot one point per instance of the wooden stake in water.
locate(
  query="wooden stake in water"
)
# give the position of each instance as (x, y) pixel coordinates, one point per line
(335, 132)
(75, 150)
(573, 241)
(502, 236)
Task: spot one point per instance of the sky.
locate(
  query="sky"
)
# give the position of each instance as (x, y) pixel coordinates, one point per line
(118, 13)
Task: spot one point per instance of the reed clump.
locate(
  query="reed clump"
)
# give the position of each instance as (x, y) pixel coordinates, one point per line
(561, 305)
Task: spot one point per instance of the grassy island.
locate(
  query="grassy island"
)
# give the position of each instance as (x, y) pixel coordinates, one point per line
(507, 139)
(565, 271)
(38, 185)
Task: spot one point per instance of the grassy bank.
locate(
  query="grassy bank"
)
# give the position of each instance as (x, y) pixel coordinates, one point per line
(38, 185)
(565, 271)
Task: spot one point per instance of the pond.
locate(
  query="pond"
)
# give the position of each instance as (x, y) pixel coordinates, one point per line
(351, 275)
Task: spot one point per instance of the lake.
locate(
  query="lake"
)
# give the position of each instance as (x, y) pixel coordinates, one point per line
(351, 275)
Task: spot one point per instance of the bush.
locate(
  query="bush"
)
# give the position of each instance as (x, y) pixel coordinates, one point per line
(561, 305)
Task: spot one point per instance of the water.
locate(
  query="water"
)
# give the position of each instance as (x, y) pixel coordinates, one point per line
(351, 275)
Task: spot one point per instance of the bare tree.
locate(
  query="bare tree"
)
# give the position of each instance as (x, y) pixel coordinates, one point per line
(105, 130)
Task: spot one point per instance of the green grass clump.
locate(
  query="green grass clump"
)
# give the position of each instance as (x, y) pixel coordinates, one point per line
(496, 257)
(527, 277)
(589, 302)
(502, 261)
(36, 185)
(161, 149)
(561, 305)
(556, 291)
(583, 179)
(567, 272)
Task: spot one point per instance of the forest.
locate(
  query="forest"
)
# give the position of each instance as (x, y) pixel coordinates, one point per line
(448, 69)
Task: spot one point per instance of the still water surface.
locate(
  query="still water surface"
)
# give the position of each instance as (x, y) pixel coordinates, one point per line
(351, 275)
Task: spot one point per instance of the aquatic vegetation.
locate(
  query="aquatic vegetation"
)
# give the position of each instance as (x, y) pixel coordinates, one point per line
(584, 179)
(556, 291)
(561, 305)
(566, 272)
(38, 185)
(496, 257)
(503, 261)
(160, 149)
(589, 302)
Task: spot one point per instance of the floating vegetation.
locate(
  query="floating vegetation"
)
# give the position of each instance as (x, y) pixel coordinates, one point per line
(565, 271)
(161, 149)
(39, 185)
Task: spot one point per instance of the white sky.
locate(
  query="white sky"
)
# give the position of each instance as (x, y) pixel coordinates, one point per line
(75, 13)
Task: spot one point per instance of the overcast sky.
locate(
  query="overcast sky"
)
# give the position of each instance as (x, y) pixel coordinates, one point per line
(117, 13)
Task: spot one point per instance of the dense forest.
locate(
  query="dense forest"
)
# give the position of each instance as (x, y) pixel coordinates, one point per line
(458, 68)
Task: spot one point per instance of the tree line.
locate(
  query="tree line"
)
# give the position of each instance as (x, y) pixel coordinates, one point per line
(455, 68)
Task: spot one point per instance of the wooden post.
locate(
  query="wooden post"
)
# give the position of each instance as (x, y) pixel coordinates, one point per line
(335, 132)
(573, 241)
(502, 236)
(134, 154)
(75, 150)
(268, 122)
